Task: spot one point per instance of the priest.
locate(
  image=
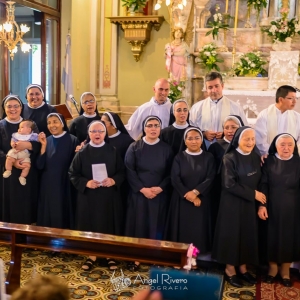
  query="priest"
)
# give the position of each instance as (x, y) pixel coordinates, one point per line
(279, 117)
(159, 106)
(209, 113)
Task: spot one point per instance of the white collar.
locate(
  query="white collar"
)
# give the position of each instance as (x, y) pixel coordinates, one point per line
(89, 116)
(156, 103)
(193, 153)
(60, 135)
(186, 125)
(115, 134)
(97, 146)
(155, 142)
(277, 155)
(43, 103)
(224, 138)
(241, 151)
(14, 122)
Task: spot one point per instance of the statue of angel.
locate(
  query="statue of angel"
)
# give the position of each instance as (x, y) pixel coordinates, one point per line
(177, 51)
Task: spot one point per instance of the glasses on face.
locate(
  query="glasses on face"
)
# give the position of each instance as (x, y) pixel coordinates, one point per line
(96, 131)
(232, 127)
(292, 98)
(179, 110)
(12, 106)
(88, 101)
(153, 126)
(197, 139)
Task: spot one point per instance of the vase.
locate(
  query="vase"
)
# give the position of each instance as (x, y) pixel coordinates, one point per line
(282, 46)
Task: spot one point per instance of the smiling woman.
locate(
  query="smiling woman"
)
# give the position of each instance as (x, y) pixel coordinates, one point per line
(24, 197)
(37, 109)
(55, 207)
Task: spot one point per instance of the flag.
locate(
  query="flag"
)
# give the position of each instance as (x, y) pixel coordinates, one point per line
(67, 72)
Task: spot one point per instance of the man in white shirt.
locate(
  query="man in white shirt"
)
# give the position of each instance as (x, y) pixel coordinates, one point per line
(210, 113)
(159, 106)
(278, 118)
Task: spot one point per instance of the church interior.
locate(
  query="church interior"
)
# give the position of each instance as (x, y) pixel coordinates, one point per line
(103, 47)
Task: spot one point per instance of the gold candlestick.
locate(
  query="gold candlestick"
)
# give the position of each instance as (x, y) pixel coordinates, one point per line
(236, 16)
(226, 7)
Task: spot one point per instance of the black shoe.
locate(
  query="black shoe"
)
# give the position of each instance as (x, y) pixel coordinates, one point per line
(269, 279)
(287, 282)
(248, 277)
(234, 281)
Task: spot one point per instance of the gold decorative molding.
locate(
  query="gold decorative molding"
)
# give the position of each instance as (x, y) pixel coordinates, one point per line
(138, 30)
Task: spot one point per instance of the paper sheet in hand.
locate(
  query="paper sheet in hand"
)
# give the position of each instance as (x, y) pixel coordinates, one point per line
(99, 172)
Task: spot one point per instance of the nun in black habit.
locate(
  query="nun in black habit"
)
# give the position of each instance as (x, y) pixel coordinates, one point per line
(18, 202)
(55, 207)
(217, 149)
(37, 109)
(192, 176)
(236, 241)
(99, 207)
(88, 114)
(173, 134)
(148, 163)
(280, 183)
(117, 133)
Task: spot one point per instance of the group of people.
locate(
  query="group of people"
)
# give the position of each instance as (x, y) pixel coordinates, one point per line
(198, 176)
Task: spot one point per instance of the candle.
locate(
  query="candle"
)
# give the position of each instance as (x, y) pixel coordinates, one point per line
(236, 16)
(226, 7)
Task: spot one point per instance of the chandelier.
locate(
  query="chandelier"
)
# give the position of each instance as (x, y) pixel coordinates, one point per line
(10, 32)
(179, 3)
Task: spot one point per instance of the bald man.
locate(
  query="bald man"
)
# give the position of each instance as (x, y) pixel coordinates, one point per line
(159, 106)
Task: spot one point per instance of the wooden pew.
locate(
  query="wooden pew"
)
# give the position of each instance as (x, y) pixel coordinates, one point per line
(85, 243)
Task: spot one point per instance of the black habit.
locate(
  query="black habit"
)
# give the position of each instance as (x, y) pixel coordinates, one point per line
(55, 207)
(147, 166)
(100, 209)
(121, 142)
(280, 183)
(236, 240)
(39, 116)
(19, 201)
(186, 222)
(79, 126)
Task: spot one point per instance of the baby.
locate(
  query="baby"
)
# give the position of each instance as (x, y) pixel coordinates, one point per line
(24, 134)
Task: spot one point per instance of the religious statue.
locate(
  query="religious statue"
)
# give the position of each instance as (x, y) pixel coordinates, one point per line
(176, 54)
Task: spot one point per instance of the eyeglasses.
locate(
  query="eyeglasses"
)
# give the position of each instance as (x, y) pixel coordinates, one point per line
(231, 127)
(197, 138)
(153, 126)
(180, 110)
(88, 101)
(97, 131)
(291, 99)
(12, 106)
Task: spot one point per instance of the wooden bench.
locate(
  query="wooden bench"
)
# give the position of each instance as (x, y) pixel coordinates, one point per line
(85, 243)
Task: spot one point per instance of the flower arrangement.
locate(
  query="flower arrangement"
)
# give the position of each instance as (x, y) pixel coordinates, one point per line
(209, 57)
(217, 24)
(258, 5)
(250, 64)
(176, 89)
(282, 28)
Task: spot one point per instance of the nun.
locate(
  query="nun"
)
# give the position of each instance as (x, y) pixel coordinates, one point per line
(173, 134)
(55, 207)
(36, 108)
(88, 114)
(235, 240)
(18, 202)
(280, 183)
(148, 162)
(192, 176)
(230, 124)
(117, 133)
(97, 172)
